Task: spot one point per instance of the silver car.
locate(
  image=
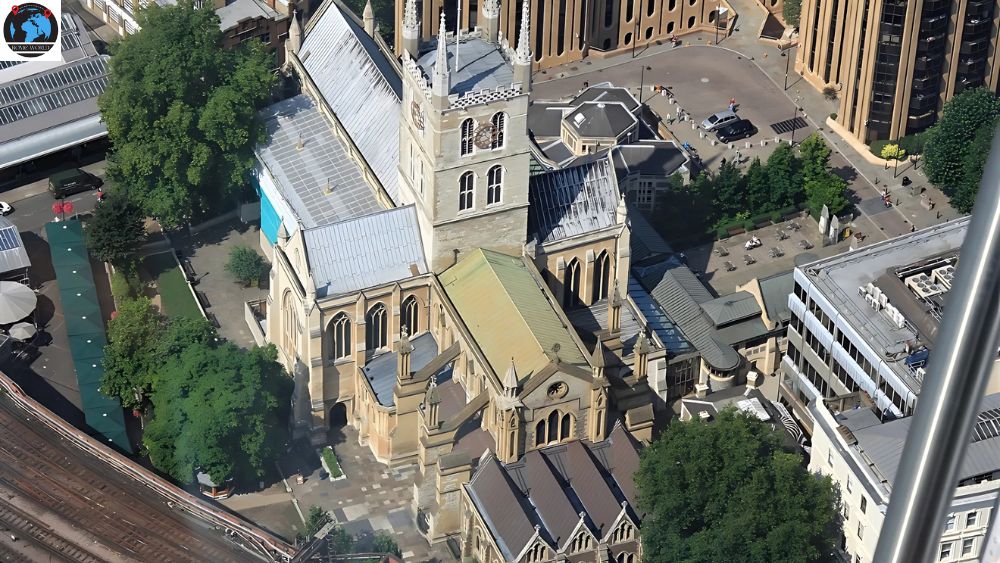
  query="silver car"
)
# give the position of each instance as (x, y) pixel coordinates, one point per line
(720, 119)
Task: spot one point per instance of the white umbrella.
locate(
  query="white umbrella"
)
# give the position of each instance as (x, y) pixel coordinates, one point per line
(16, 302)
(22, 331)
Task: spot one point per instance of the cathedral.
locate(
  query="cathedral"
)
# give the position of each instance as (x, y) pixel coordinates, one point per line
(464, 308)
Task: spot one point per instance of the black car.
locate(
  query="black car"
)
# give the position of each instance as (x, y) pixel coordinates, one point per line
(74, 181)
(735, 131)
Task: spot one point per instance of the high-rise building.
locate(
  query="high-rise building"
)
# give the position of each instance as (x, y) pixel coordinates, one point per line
(567, 30)
(894, 63)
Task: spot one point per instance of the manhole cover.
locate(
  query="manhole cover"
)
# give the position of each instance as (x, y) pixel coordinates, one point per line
(704, 80)
(573, 68)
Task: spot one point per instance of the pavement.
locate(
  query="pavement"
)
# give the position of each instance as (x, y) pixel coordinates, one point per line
(373, 497)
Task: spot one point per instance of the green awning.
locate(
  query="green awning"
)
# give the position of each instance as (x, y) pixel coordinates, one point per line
(88, 345)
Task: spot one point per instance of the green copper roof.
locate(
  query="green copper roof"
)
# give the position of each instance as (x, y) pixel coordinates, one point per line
(508, 313)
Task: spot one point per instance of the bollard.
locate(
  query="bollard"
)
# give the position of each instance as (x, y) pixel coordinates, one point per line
(730, 146)
(713, 142)
(748, 144)
(777, 140)
(763, 142)
(694, 126)
(701, 134)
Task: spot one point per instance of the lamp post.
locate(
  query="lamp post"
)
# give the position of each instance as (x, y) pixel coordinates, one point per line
(795, 115)
(784, 53)
(642, 80)
(718, 19)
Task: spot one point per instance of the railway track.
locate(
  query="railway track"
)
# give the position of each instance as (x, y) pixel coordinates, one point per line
(76, 508)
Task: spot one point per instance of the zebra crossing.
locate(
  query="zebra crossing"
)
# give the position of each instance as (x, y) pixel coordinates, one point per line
(788, 125)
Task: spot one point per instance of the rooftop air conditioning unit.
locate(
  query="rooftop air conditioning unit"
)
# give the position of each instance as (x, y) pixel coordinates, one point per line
(944, 276)
(923, 286)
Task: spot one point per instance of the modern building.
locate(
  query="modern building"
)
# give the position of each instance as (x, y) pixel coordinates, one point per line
(48, 107)
(894, 63)
(862, 456)
(569, 30)
(864, 323)
(240, 20)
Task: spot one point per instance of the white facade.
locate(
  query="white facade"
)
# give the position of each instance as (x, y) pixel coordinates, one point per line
(865, 498)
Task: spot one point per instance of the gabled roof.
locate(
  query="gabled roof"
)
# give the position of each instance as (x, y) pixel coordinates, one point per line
(646, 241)
(13, 256)
(360, 85)
(623, 461)
(365, 252)
(680, 294)
(501, 506)
(573, 201)
(731, 308)
(312, 169)
(774, 291)
(508, 313)
(548, 495)
(649, 158)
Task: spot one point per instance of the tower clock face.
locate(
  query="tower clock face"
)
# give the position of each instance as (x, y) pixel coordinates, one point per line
(484, 136)
(417, 115)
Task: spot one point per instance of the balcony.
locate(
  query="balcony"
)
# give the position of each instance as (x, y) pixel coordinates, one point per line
(974, 47)
(936, 5)
(918, 123)
(933, 42)
(972, 65)
(977, 26)
(255, 315)
(928, 62)
(921, 104)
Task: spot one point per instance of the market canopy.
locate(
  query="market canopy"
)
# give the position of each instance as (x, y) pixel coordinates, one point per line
(16, 301)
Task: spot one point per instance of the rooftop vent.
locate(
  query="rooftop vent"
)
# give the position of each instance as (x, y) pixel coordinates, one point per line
(944, 276)
(578, 118)
(923, 285)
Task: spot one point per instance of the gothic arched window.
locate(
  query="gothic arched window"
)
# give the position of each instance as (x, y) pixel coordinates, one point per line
(409, 318)
(467, 136)
(494, 185)
(602, 276)
(466, 190)
(571, 284)
(499, 122)
(340, 337)
(566, 427)
(288, 314)
(376, 328)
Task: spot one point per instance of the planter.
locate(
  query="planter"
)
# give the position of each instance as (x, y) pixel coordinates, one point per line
(327, 451)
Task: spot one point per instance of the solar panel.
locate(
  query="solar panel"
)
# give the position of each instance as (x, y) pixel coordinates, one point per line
(9, 239)
(75, 83)
(987, 425)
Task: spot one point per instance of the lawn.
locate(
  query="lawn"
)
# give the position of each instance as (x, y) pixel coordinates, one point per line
(175, 297)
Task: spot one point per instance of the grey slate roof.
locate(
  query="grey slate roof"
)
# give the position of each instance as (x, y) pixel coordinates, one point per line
(742, 331)
(680, 294)
(646, 241)
(774, 291)
(572, 201)
(360, 85)
(599, 119)
(304, 175)
(381, 370)
(649, 158)
(365, 252)
(558, 152)
(15, 257)
(731, 308)
(883, 445)
(605, 92)
(590, 320)
(239, 10)
(480, 65)
(550, 487)
(545, 118)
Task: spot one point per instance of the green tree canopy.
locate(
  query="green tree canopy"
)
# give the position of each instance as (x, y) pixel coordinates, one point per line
(784, 176)
(727, 491)
(755, 187)
(827, 190)
(220, 409)
(727, 200)
(131, 353)
(181, 111)
(954, 145)
(115, 230)
(385, 16)
(815, 158)
(791, 10)
(383, 542)
(245, 265)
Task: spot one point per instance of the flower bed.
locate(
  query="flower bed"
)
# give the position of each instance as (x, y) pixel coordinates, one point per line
(330, 464)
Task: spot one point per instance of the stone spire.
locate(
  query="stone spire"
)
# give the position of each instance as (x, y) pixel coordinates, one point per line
(621, 213)
(294, 41)
(615, 310)
(510, 382)
(599, 360)
(642, 349)
(522, 56)
(411, 29)
(442, 76)
(431, 401)
(490, 23)
(369, 18)
(403, 371)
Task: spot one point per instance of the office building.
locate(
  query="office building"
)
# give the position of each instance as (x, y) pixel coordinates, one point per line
(894, 63)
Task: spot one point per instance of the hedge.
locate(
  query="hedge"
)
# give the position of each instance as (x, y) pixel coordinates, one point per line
(912, 144)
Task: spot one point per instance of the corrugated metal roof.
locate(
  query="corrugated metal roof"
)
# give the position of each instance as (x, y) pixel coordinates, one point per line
(310, 165)
(52, 139)
(501, 506)
(365, 252)
(593, 319)
(731, 308)
(774, 291)
(13, 256)
(381, 370)
(361, 87)
(665, 328)
(573, 201)
(516, 320)
(883, 445)
(680, 294)
(480, 65)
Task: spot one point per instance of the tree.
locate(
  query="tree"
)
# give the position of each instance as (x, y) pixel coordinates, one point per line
(893, 152)
(384, 543)
(727, 200)
(784, 176)
(181, 111)
(314, 522)
(245, 265)
(950, 141)
(131, 353)
(826, 190)
(115, 230)
(756, 190)
(726, 491)
(814, 156)
(791, 10)
(964, 195)
(219, 409)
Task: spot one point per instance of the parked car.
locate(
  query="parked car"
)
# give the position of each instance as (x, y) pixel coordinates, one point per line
(720, 119)
(74, 181)
(5, 208)
(735, 131)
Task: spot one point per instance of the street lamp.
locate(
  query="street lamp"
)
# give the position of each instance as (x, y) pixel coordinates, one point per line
(718, 17)
(788, 60)
(795, 115)
(642, 80)
(635, 32)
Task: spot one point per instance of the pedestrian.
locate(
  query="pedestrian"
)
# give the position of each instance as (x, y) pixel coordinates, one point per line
(913, 228)
(723, 163)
